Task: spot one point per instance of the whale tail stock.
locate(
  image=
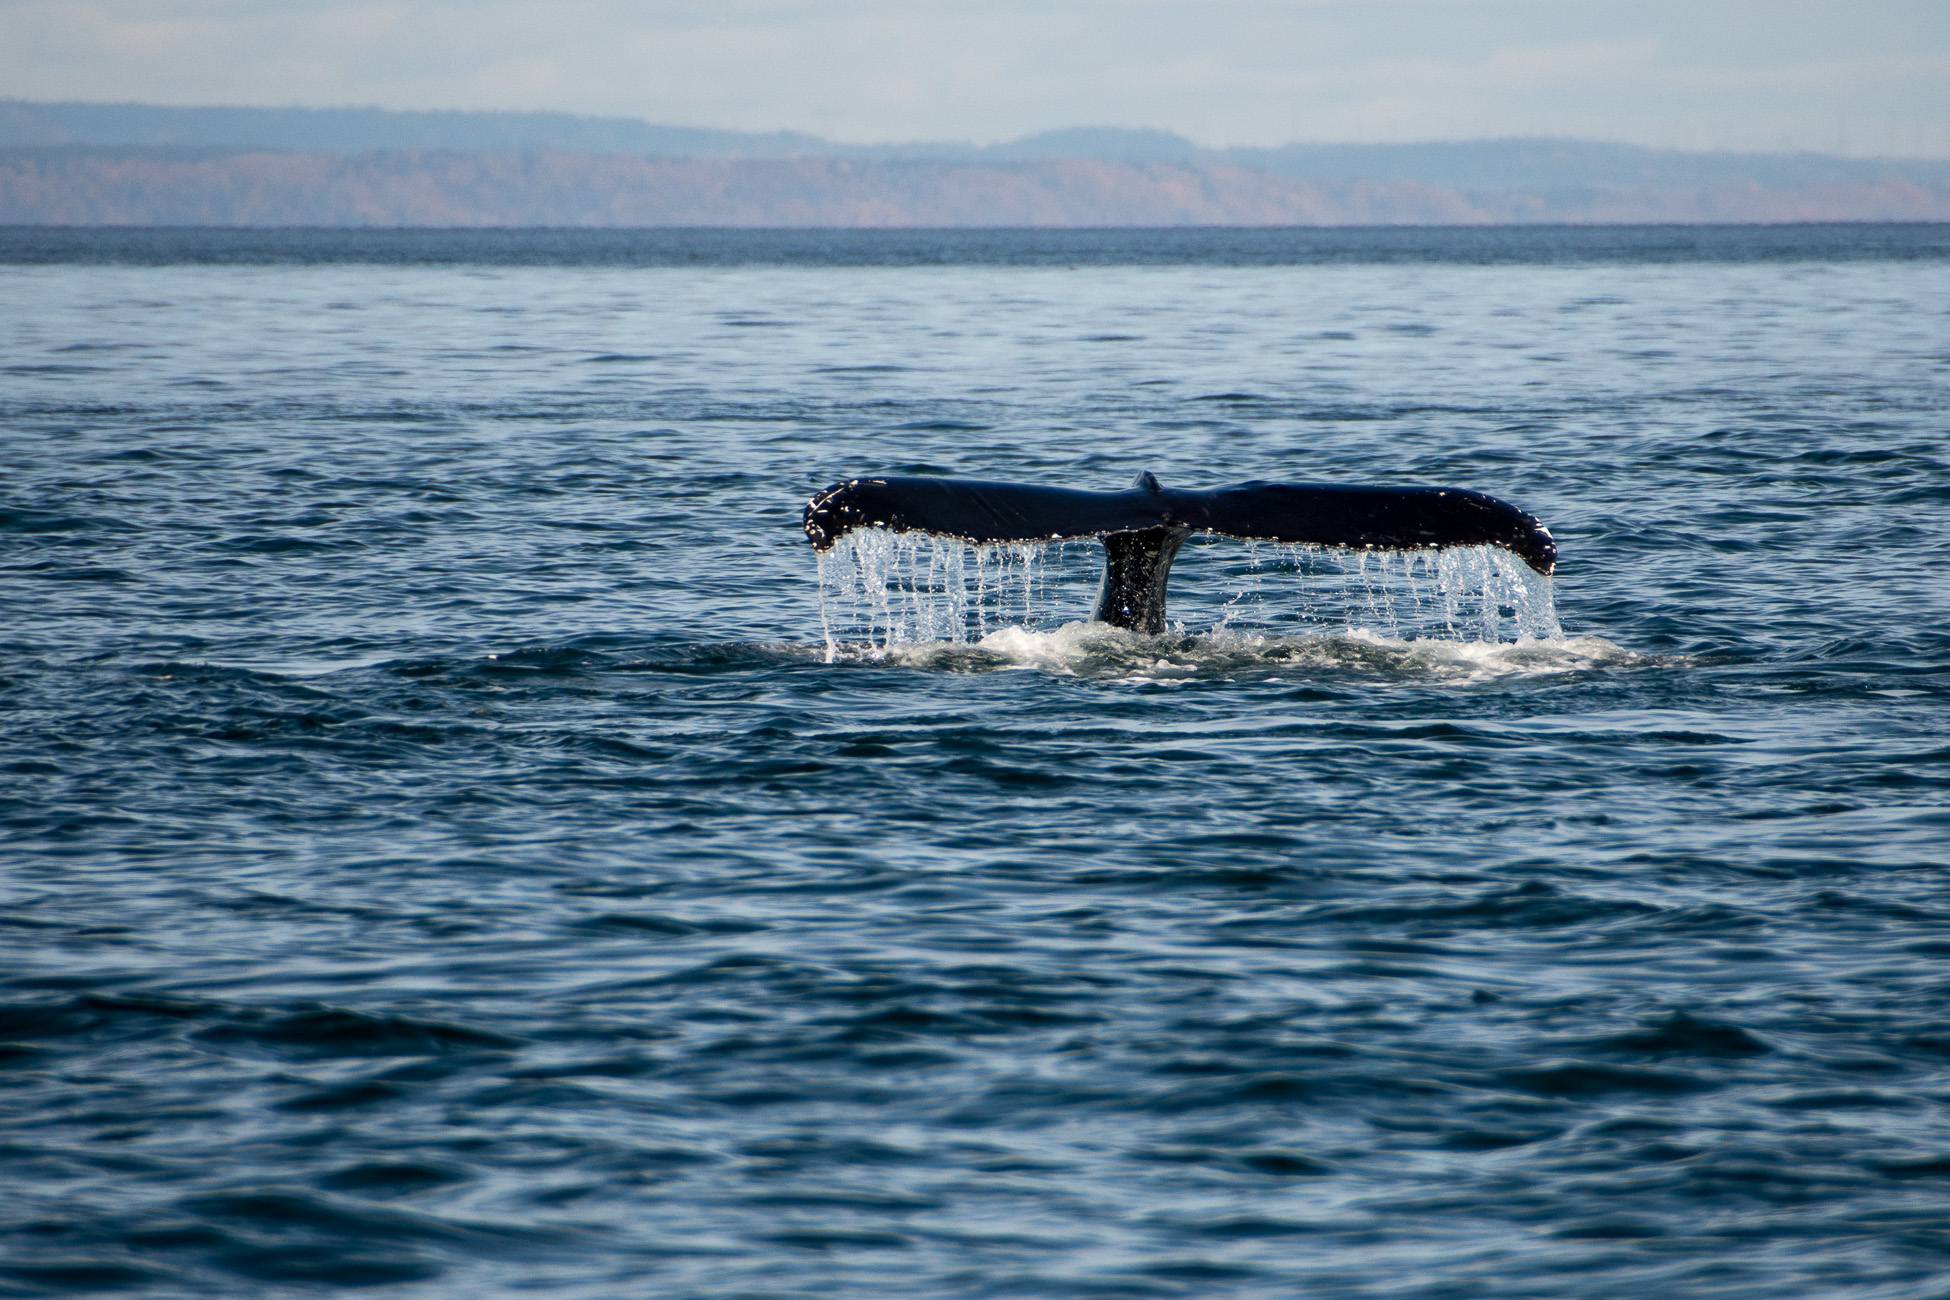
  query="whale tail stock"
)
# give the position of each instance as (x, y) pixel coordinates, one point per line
(1143, 526)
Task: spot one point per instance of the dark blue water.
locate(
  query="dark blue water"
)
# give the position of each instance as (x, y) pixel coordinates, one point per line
(1041, 246)
(436, 856)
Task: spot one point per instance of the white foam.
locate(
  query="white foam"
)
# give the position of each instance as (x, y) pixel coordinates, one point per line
(1095, 650)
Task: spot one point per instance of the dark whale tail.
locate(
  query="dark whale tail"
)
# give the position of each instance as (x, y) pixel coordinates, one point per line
(1143, 526)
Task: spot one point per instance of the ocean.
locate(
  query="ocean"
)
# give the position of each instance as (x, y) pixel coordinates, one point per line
(458, 838)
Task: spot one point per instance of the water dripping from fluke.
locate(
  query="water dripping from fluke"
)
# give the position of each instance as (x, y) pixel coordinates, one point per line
(911, 562)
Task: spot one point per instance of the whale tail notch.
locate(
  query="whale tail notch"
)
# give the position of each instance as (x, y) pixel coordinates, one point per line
(1143, 526)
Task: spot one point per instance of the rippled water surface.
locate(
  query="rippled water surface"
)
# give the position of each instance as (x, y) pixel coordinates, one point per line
(437, 856)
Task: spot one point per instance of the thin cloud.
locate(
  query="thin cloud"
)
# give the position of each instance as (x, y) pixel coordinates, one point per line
(1736, 74)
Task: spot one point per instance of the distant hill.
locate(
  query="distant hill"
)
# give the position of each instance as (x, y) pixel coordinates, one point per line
(83, 186)
(360, 130)
(134, 164)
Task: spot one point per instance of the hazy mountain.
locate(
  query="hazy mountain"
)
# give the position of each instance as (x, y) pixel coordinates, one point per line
(1113, 144)
(1466, 165)
(82, 186)
(133, 164)
(357, 130)
(1557, 164)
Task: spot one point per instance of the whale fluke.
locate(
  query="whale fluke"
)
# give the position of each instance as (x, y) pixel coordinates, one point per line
(1144, 525)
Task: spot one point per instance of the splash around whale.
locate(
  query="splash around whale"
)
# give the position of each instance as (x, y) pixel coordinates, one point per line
(1098, 652)
(1143, 528)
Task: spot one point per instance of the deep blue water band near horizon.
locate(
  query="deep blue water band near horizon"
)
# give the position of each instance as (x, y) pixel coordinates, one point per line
(437, 858)
(976, 246)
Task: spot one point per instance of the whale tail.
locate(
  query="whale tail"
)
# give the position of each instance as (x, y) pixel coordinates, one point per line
(1143, 526)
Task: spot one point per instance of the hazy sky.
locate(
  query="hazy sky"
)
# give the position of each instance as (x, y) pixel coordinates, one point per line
(1862, 77)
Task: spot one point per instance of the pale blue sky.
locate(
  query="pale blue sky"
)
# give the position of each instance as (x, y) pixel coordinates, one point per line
(1867, 77)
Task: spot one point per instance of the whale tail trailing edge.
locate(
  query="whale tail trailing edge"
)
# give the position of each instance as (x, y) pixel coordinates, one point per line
(1143, 526)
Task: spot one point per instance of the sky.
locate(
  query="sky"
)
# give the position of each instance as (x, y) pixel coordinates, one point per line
(1866, 77)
